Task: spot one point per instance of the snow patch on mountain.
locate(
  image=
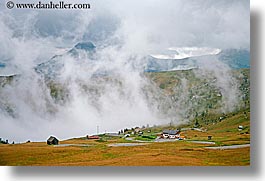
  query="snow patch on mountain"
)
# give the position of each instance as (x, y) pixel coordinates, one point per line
(179, 53)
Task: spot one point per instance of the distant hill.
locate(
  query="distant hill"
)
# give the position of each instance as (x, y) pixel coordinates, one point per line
(174, 87)
(235, 58)
(52, 67)
(185, 94)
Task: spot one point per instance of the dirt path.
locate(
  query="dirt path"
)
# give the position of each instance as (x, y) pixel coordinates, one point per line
(127, 144)
(64, 145)
(228, 147)
(202, 142)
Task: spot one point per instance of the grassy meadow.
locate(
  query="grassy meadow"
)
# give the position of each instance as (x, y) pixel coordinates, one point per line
(177, 153)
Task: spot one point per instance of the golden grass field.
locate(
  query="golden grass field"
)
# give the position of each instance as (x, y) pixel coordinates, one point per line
(178, 153)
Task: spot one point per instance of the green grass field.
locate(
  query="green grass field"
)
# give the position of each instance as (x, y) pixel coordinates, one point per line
(178, 153)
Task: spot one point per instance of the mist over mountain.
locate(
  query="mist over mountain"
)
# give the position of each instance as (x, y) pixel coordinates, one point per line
(234, 58)
(80, 51)
(66, 72)
(79, 78)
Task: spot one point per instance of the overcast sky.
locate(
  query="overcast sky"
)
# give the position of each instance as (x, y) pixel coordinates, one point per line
(141, 24)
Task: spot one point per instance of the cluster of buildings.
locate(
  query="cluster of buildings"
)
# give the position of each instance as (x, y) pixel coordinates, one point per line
(166, 134)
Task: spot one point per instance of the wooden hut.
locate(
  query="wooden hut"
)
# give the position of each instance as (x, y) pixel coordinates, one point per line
(52, 141)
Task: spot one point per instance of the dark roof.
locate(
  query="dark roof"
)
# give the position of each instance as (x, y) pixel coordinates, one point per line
(52, 138)
(165, 131)
(171, 132)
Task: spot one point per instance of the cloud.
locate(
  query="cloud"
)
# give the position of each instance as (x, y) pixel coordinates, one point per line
(218, 24)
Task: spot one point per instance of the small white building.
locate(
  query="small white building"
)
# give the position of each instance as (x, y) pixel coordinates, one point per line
(171, 134)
